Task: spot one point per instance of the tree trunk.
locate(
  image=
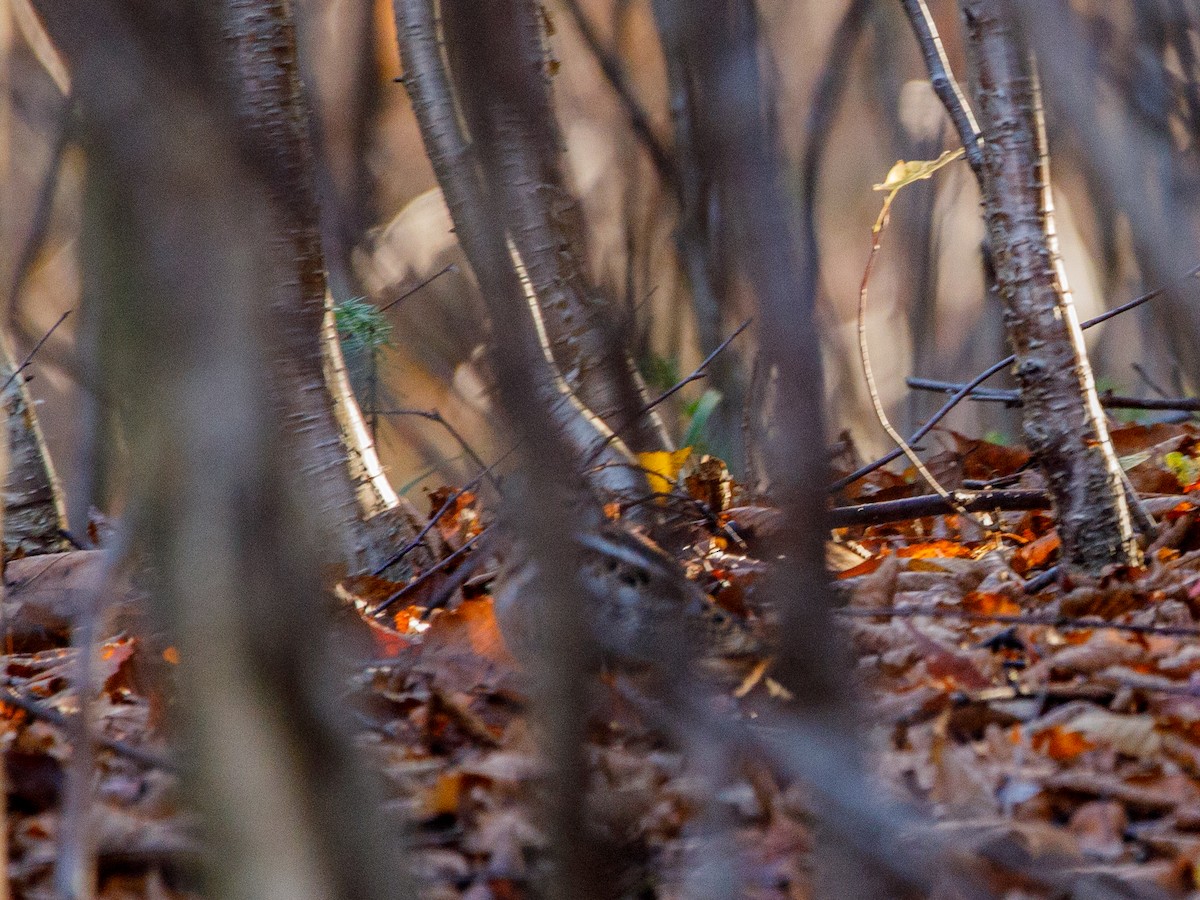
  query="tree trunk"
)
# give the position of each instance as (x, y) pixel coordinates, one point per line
(519, 147)
(1064, 425)
(718, 38)
(703, 241)
(34, 514)
(180, 238)
(308, 372)
(456, 163)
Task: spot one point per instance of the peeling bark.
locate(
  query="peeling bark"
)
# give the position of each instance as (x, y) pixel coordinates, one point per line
(1064, 425)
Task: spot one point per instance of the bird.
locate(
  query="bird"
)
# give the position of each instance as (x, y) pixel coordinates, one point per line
(637, 602)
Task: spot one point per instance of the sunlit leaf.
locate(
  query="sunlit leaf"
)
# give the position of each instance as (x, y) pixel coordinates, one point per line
(904, 172)
(662, 468)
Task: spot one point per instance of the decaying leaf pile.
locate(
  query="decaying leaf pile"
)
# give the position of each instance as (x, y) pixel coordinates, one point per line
(1056, 728)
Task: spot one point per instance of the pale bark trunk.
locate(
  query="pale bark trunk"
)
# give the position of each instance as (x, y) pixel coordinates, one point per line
(34, 514)
(1064, 424)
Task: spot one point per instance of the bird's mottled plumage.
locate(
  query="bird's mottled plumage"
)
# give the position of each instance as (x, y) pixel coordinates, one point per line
(637, 601)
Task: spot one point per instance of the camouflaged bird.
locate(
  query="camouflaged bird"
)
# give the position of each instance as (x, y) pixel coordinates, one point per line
(638, 603)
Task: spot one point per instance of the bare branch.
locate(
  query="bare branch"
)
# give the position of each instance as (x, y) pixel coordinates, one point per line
(944, 83)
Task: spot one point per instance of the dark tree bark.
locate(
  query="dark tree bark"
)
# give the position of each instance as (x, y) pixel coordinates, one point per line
(469, 197)
(309, 373)
(274, 124)
(180, 249)
(520, 149)
(716, 36)
(704, 243)
(1064, 425)
(549, 431)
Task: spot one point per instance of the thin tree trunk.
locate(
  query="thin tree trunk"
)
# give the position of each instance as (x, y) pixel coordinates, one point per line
(457, 166)
(1063, 423)
(35, 515)
(179, 255)
(545, 508)
(718, 37)
(703, 242)
(340, 457)
(520, 149)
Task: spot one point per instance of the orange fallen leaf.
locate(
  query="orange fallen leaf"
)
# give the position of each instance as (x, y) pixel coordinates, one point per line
(989, 603)
(1036, 553)
(445, 797)
(1060, 744)
(866, 567)
(934, 549)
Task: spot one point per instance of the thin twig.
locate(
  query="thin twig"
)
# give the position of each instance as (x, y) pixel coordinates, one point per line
(877, 231)
(51, 716)
(420, 537)
(427, 574)
(32, 353)
(434, 416)
(697, 373)
(943, 82)
(1013, 398)
(983, 376)
(934, 505)
(663, 160)
(449, 267)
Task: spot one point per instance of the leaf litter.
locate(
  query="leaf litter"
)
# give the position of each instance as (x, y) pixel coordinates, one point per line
(1062, 726)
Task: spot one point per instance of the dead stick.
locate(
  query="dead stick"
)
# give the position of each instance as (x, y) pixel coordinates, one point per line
(1013, 398)
(698, 372)
(450, 267)
(32, 353)
(934, 505)
(427, 574)
(416, 541)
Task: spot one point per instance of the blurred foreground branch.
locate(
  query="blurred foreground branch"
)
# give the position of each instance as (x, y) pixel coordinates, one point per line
(182, 242)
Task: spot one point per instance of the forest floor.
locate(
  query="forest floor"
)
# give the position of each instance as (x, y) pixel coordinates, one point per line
(1055, 728)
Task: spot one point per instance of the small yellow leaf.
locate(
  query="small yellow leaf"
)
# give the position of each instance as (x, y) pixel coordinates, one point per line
(662, 467)
(906, 172)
